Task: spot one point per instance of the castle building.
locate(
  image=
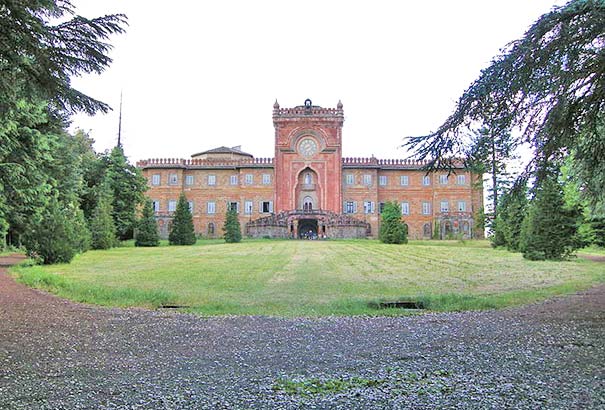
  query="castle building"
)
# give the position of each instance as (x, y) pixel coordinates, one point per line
(309, 189)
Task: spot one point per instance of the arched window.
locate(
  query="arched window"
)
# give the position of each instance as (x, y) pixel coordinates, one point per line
(308, 178)
(210, 229)
(308, 203)
(426, 230)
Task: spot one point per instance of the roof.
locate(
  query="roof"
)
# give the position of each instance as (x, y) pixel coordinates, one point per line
(224, 150)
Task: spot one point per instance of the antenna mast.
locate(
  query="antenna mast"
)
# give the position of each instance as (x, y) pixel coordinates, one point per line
(120, 123)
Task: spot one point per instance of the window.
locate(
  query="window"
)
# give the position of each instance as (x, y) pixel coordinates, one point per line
(404, 180)
(443, 179)
(211, 208)
(308, 179)
(426, 208)
(380, 207)
(233, 180)
(155, 179)
(350, 179)
(248, 207)
(461, 206)
(190, 206)
(368, 207)
(382, 180)
(249, 178)
(405, 208)
(189, 180)
(211, 228)
(426, 180)
(445, 206)
(461, 179)
(173, 179)
(426, 230)
(266, 179)
(350, 207)
(156, 206)
(211, 179)
(233, 206)
(266, 207)
(171, 205)
(367, 179)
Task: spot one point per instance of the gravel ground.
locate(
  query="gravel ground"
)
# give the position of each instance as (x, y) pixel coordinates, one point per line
(56, 354)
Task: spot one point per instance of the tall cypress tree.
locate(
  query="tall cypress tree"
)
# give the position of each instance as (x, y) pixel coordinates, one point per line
(147, 228)
(181, 231)
(232, 227)
(101, 225)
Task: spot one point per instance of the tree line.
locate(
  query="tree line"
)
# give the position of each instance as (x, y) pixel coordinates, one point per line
(545, 92)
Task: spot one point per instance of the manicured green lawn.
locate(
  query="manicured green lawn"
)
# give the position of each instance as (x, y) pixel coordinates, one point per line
(311, 278)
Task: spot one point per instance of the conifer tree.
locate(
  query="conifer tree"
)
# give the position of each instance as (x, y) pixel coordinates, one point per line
(181, 231)
(58, 235)
(507, 227)
(549, 228)
(102, 227)
(147, 228)
(127, 186)
(232, 227)
(392, 227)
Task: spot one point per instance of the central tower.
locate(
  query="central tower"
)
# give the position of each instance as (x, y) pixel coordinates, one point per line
(308, 157)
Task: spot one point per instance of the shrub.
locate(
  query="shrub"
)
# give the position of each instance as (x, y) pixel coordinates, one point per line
(181, 231)
(549, 229)
(232, 227)
(102, 227)
(147, 228)
(392, 227)
(59, 235)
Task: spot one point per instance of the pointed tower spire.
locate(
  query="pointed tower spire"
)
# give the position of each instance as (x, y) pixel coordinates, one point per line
(120, 123)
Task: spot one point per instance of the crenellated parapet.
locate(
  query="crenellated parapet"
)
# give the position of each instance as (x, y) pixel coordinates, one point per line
(205, 163)
(308, 110)
(348, 162)
(395, 163)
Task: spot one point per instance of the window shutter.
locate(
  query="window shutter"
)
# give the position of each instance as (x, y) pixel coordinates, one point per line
(271, 206)
(354, 207)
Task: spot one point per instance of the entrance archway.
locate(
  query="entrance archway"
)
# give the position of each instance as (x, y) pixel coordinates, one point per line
(307, 229)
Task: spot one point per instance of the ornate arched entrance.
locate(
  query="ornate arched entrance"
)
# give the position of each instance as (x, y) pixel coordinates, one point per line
(307, 190)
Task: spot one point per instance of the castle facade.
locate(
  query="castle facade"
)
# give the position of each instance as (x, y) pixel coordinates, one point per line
(309, 190)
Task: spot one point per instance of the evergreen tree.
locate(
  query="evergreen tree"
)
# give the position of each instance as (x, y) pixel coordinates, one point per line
(549, 83)
(549, 228)
(181, 231)
(59, 235)
(232, 227)
(497, 237)
(507, 227)
(491, 148)
(146, 233)
(102, 227)
(436, 230)
(598, 229)
(44, 44)
(392, 227)
(127, 186)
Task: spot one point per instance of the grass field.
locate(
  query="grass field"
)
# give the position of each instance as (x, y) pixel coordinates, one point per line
(311, 278)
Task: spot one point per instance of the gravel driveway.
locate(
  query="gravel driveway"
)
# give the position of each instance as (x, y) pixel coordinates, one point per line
(56, 354)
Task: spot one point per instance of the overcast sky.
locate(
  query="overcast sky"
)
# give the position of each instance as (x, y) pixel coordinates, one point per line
(196, 75)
